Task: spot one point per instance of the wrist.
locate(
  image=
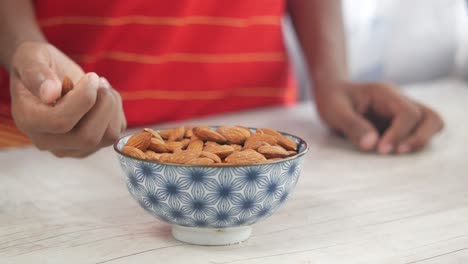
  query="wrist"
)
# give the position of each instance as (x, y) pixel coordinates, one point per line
(323, 74)
(329, 83)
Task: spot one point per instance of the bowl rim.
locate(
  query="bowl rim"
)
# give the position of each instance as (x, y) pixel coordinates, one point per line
(298, 155)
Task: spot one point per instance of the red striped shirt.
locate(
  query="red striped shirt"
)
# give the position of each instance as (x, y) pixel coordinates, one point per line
(173, 60)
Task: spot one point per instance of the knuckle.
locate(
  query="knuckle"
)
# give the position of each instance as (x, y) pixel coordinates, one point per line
(103, 98)
(88, 98)
(413, 113)
(108, 103)
(117, 97)
(107, 95)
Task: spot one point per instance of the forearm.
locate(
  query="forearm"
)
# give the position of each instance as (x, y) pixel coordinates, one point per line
(17, 25)
(319, 27)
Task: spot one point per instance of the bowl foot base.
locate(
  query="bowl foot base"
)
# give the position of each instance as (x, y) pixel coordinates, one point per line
(211, 236)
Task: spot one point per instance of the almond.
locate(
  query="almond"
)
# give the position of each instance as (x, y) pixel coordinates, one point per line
(212, 156)
(273, 151)
(153, 133)
(183, 157)
(283, 141)
(140, 141)
(188, 132)
(202, 145)
(165, 133)
(206, 134)
(196, 145)
(270, 131)
(236, 147)
(201, 161)
(134, 152)
(221, 150)
(257, 140)
(287, 143)
(211, 143)
(246, 129)
(67, 85)
(234, 135)
(176, 134)
(255, 145)
(247, 156)
(172, 146)
(185, 143)
(151, 155)
(193, 138)
(177, 150)
(165, 157)
(158, 146)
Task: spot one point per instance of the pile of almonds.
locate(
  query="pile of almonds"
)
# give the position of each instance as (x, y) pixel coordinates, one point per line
(202, 145)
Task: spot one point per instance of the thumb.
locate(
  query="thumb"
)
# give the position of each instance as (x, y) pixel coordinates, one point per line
(41, 81)
(359, 130)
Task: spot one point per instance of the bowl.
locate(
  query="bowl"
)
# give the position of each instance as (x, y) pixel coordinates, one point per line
(212, 205)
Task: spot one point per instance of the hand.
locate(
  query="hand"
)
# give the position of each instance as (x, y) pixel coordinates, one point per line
(375, 116)
(86, 119)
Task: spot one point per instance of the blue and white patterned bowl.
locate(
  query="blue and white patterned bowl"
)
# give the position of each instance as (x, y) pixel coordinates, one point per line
(211, 205)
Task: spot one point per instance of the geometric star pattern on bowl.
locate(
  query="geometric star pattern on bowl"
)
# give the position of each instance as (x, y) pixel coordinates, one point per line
(204, 196)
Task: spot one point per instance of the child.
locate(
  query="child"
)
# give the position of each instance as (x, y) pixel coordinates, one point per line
(172, 60)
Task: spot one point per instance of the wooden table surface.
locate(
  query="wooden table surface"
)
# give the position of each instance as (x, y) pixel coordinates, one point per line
(348, 207)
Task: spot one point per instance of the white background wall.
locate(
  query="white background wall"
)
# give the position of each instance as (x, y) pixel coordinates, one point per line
(406, 41)
(401, 41)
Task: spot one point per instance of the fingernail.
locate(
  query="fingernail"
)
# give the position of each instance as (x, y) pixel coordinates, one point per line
(403, 149)
(104, 83)
(368, 141)
(385, 149)
(50, 90)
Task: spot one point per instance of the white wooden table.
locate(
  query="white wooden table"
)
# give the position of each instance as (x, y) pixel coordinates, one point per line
(348, 207)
